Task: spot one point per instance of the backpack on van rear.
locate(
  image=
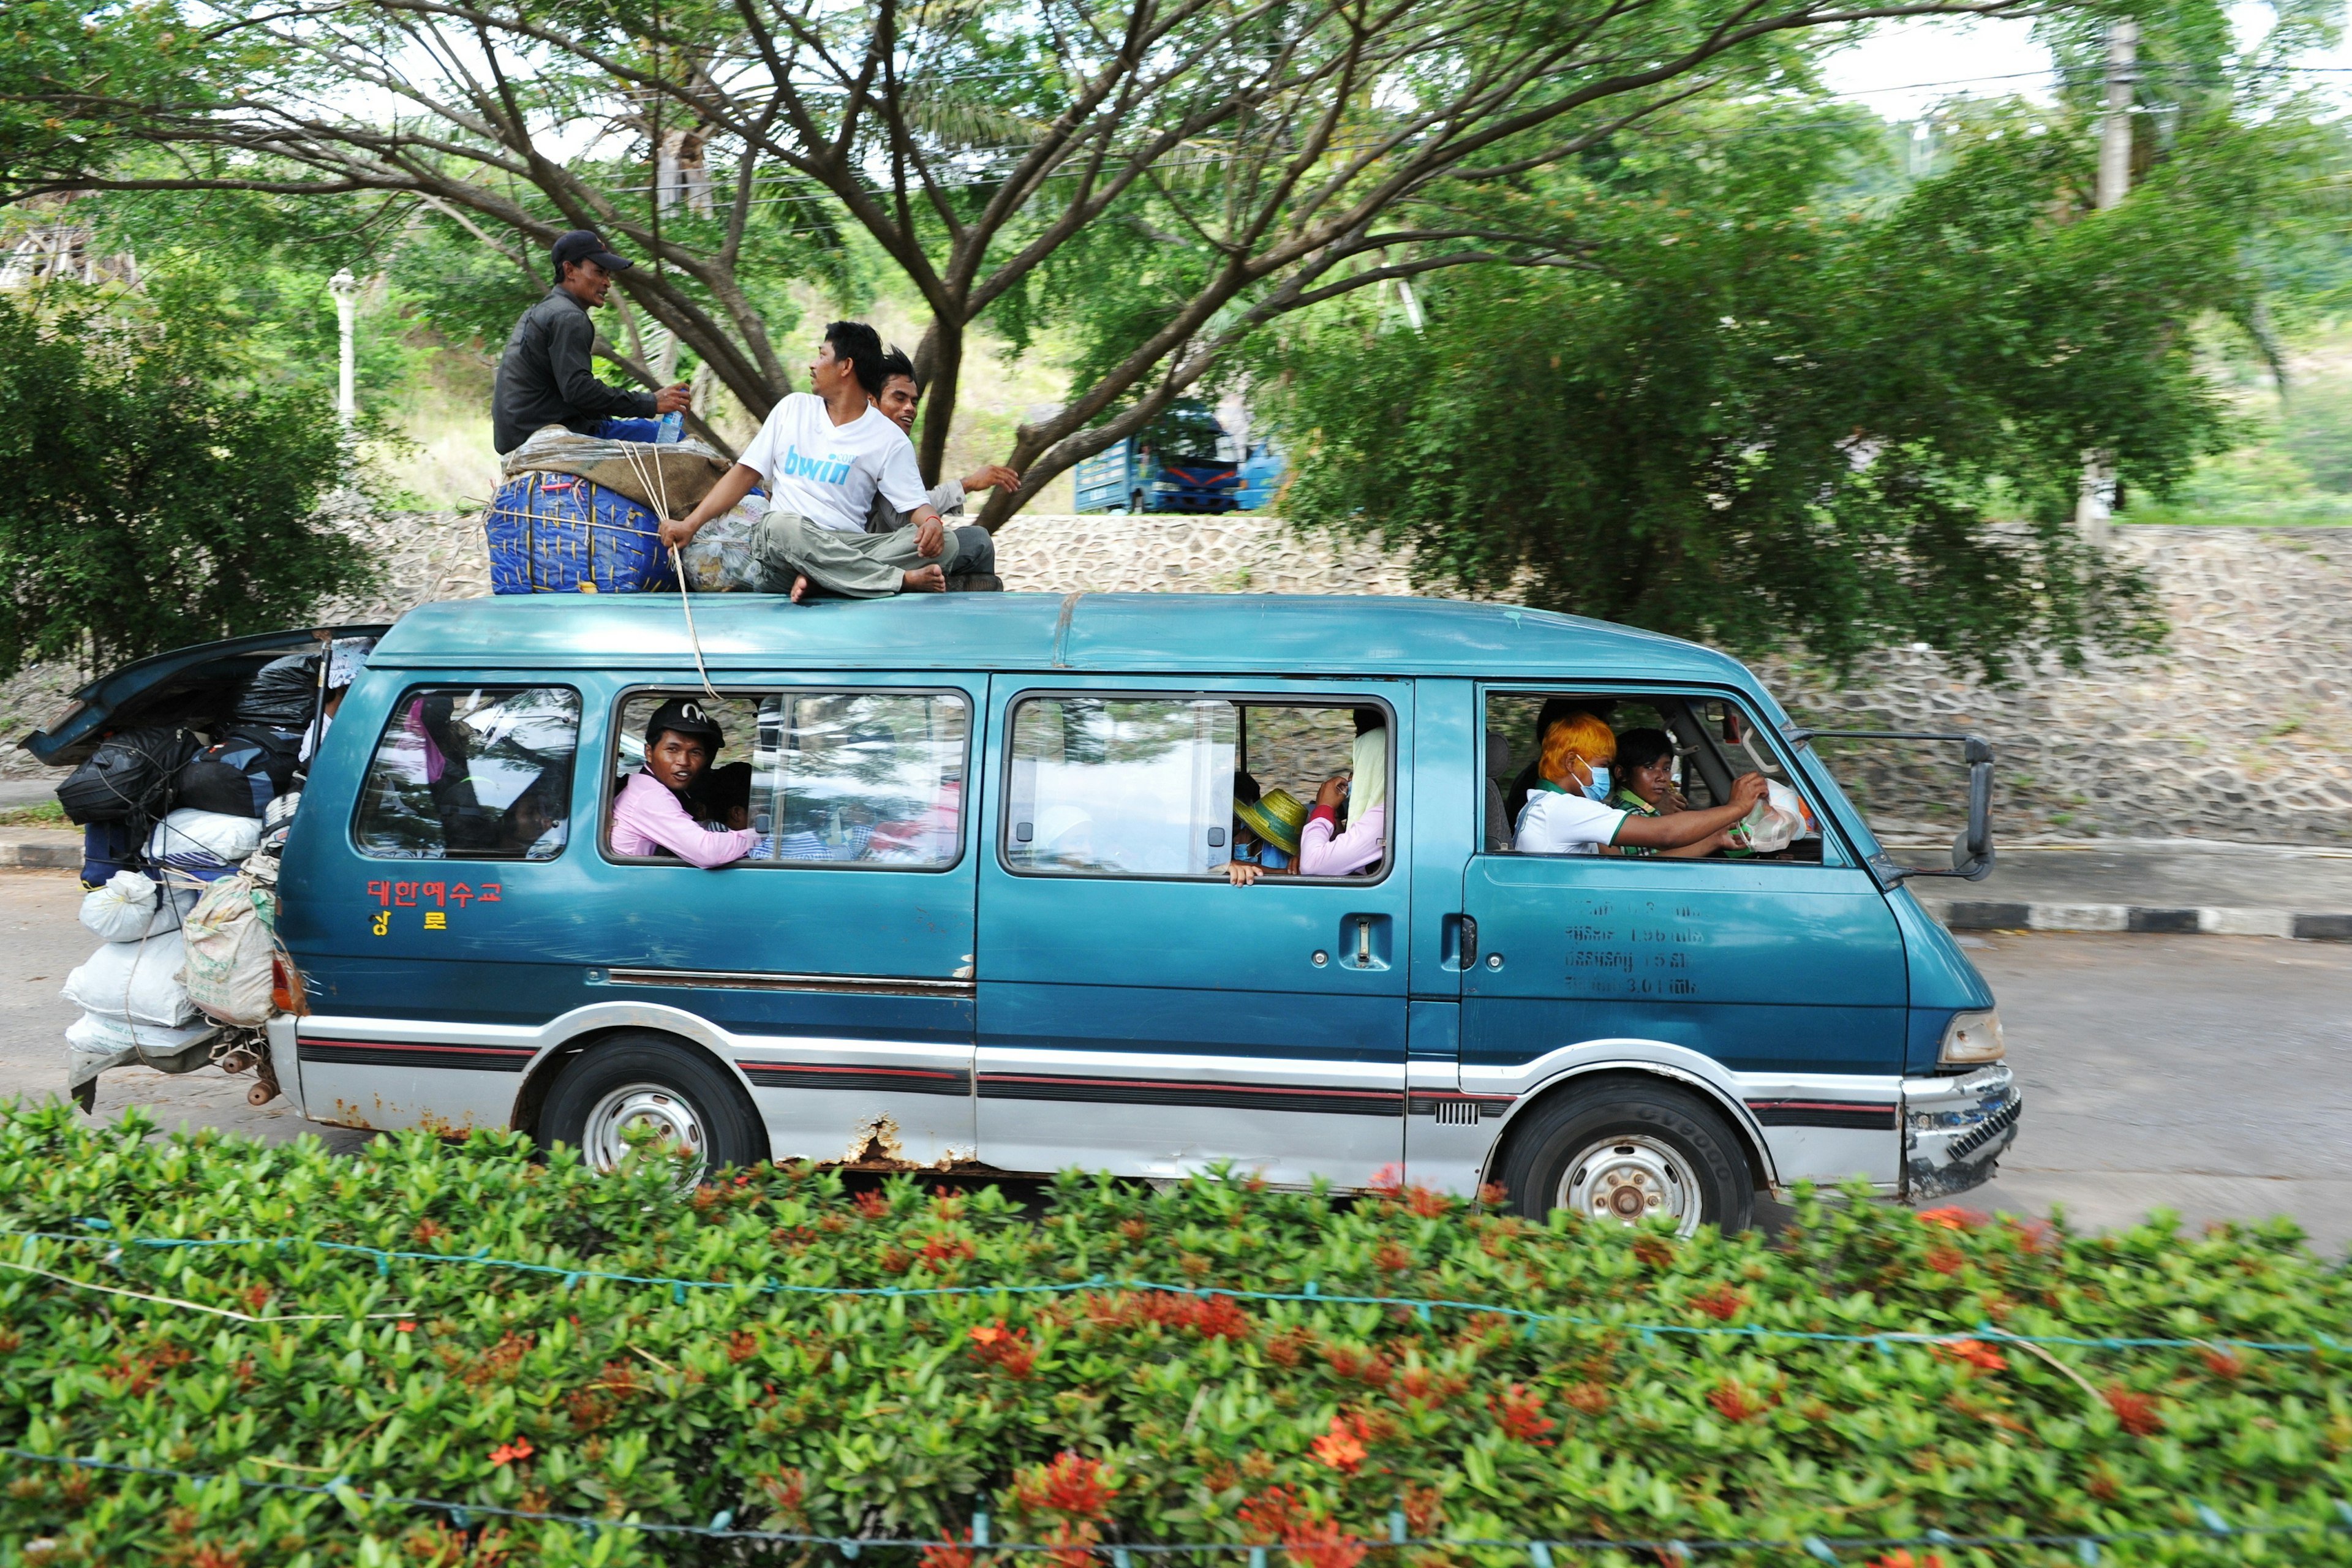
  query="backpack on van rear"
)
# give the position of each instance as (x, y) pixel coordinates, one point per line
(129, 777)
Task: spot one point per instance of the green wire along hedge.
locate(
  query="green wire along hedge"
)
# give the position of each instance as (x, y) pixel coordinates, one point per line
(1126, 1371)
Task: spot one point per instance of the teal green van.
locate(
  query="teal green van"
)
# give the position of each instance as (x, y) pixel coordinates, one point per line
(990, 921)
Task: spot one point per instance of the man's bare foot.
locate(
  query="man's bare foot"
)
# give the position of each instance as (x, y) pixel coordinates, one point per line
(800, 586)
(927, 579)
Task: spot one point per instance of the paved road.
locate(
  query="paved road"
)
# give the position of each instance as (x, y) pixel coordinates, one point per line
(2209, 1075)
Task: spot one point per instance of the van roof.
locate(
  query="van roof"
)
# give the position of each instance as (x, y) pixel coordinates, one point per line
(1171, 633)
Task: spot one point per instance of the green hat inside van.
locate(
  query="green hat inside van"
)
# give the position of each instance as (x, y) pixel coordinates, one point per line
(1277, 816)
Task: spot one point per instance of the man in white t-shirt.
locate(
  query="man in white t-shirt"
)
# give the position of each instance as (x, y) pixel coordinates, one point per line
(824, 455)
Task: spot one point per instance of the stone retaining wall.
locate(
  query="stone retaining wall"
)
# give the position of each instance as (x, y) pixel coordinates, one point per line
(2239, 728)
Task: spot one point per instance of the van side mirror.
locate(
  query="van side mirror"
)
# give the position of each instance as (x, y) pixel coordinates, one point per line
(1972, 854)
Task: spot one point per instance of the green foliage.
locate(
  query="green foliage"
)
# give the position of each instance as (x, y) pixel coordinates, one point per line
(1762, 416)
(1097, 1413)
(162, 486)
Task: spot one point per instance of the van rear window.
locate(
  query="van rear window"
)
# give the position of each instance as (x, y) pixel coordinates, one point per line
(472, 773)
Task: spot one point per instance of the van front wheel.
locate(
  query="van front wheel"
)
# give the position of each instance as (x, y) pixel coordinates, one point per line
(1625, 1153)
(631, 1095)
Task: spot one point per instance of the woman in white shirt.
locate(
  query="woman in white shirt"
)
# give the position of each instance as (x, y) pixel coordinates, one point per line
(1565, 813)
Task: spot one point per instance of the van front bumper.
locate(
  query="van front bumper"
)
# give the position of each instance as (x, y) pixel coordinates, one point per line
(1956, 1129)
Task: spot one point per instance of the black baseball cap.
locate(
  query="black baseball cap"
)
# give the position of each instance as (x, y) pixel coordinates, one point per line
(586, 245)
(684, 715)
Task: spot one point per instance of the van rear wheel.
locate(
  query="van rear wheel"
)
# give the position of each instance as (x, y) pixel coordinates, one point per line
(628, 1095)
(1625, 1153)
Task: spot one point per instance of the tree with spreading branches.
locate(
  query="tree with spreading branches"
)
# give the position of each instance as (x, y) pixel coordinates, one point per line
(1215, 165)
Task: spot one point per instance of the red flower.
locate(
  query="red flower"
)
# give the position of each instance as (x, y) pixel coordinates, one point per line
(1520, 1414)
(1951, 1216)
(1734, 1403)
(1392, 1257)
(1340, 1448)
(2135, 1412)
(1389, 1181)
(508, 1453)
(1976, 1352)
(1724, 1303)
(406, 1325)
(1072, 1486)
(1426, 1204)
(1008, 1350)
(1277, 1516)
(1901, 1558)
(2223, 1362)
(873, 1205)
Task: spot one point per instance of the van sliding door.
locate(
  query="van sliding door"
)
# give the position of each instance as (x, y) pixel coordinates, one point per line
(1138, 1013)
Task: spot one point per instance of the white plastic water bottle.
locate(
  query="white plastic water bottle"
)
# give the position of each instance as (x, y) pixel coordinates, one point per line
(672, 428)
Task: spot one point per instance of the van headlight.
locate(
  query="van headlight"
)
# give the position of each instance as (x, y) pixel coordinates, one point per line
(1972, 1038)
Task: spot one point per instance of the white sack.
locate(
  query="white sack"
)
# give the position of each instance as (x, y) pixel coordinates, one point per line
(228, 972)
(201, 841)
(130, 906)
(95, 1044)
(135, 983)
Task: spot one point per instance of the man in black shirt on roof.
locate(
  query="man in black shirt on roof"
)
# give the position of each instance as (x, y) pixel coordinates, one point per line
(545, 377)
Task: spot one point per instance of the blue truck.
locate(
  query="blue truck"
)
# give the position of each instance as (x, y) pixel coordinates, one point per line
(1185, 463)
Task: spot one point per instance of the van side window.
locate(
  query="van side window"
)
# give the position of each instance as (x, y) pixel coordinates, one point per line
(472, 773)
(869, 778)
(1672, 755)
(828, 778)
(1186, 786)
(1123, 787)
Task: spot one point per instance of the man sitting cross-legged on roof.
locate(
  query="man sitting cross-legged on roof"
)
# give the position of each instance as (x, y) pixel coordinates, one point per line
(824, 454)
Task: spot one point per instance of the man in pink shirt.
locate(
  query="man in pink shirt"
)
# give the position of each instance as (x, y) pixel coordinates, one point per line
(651, 814)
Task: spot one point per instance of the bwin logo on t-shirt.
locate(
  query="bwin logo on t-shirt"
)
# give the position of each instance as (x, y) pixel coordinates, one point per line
(823, 470)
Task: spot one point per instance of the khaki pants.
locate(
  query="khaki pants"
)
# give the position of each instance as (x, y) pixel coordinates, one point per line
(862, 565)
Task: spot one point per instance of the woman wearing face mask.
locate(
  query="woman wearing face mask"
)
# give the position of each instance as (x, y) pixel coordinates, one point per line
(1567, 814)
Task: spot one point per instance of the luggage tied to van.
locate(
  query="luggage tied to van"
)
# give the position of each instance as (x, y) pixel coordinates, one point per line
(232, 946)
(580, 514)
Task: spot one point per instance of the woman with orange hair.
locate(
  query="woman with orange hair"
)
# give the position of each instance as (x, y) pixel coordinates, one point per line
(1565, 813)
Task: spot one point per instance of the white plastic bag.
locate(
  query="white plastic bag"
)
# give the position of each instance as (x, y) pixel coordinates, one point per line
(203, 843)
(135, 983)
(1779, 819)
(718, 560)
(229, 973)
(94, 1044)
(130, 906)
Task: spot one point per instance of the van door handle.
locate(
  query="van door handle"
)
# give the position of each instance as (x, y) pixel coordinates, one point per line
(1458, 945)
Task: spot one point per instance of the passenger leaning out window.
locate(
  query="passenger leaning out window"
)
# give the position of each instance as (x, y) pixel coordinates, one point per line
(1567, 812)
(652, 816)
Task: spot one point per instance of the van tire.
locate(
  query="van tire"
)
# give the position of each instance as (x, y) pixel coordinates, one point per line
(654, 1081)
(1640, 1150)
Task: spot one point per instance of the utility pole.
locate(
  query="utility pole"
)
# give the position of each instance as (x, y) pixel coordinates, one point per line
(2095, 502)
(346, 290)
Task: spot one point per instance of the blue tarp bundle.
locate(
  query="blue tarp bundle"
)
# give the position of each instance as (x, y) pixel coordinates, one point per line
(555, 534)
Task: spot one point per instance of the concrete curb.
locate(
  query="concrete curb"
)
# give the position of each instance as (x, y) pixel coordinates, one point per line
(41, 850)
(1962, 914)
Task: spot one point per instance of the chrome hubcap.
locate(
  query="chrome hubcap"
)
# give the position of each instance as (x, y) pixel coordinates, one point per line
(641, 1119)
(1631, 1177)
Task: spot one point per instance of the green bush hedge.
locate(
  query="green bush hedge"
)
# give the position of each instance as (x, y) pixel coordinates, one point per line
(1016, 1368)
